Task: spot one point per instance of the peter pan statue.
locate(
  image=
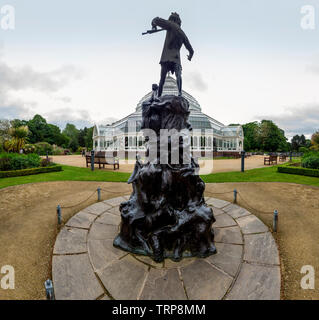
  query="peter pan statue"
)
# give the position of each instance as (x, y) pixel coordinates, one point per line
(170, 59)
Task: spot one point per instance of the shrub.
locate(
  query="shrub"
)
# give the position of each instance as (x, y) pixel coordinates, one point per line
(303, 150)
(29, 148)
(26, 172)
(41, 148)
(310, 160)
(46, 162)
(57, 151)
(16, 161)
(5, 164)
(67, 151)
(298, 170)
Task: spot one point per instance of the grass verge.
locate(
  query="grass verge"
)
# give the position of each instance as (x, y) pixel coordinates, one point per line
(69, 173)
(269, 174)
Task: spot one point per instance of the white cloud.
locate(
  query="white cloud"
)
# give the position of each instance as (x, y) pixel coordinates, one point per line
(297, 120)
(196, 81)
(14, 80)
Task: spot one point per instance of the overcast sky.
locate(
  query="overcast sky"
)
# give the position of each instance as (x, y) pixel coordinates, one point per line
(85, 61)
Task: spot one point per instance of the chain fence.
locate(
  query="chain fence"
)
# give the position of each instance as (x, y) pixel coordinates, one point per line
(207, 192)
(243, 200)
(95, 191)
(115, 192)
(75, 205)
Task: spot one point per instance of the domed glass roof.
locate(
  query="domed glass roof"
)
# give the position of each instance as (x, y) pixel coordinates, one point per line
(170, 88)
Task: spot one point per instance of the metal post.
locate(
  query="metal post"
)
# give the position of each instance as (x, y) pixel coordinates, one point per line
(275, 222)
(243, 161)
(235, 196)
(49, 289)
(290, 155)
(92, 160)
(47, 155)
(98, 194)
(58, 210)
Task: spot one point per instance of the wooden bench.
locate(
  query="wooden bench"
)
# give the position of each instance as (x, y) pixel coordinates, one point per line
(282, 158)
(270, 160)
(102, 159)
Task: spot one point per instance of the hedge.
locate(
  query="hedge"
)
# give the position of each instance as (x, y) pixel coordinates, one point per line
(299, 170)
(27, 172)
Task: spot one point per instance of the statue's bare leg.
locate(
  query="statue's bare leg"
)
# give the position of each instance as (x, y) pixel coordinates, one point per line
(178, 73)
(162, 81)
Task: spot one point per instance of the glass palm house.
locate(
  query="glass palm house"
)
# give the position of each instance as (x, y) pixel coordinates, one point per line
(209, 137)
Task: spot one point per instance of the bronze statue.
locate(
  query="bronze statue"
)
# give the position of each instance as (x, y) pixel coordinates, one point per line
(175, 38)
(166, 215)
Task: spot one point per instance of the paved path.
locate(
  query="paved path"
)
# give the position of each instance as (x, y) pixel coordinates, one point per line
(206, 166)
(86, 265)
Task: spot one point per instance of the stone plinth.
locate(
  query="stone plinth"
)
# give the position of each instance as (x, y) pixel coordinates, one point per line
(87, 266)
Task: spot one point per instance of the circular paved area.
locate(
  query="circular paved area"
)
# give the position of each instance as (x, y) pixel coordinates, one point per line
(86, 265)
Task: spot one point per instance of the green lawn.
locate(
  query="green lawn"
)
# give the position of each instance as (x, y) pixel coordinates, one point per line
(269, 174)
(69, 173)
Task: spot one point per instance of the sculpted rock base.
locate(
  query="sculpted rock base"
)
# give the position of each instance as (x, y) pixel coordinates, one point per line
(166, 215)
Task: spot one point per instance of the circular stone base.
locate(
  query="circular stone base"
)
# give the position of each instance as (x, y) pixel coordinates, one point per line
(86, 265)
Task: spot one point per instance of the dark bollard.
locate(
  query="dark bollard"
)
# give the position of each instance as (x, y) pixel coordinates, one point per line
(235, 196)
(47, 156)
(275, 222)
(243, 161)
(98, 194)
(92, 160)
(49, 289)
(58, 211)
(290, 155)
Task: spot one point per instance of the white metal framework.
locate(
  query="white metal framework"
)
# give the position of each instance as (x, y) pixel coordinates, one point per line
(208, 134)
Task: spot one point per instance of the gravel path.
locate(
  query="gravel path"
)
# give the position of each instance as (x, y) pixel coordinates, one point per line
(28, 227)
(207, 166)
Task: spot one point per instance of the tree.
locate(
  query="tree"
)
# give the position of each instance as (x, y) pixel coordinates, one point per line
(41, 131)
(4, 129)
(38, 129)
(82, 134)
(315, 141)
(16, 123)
(71, 131)
(64, 141)
(264, 136)
(89, 138)
(54, 136)
(308, 143)
(73, 145)
(297, 142)
(251, 133)
(19, 136)
(4, 132)
(271, 138)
